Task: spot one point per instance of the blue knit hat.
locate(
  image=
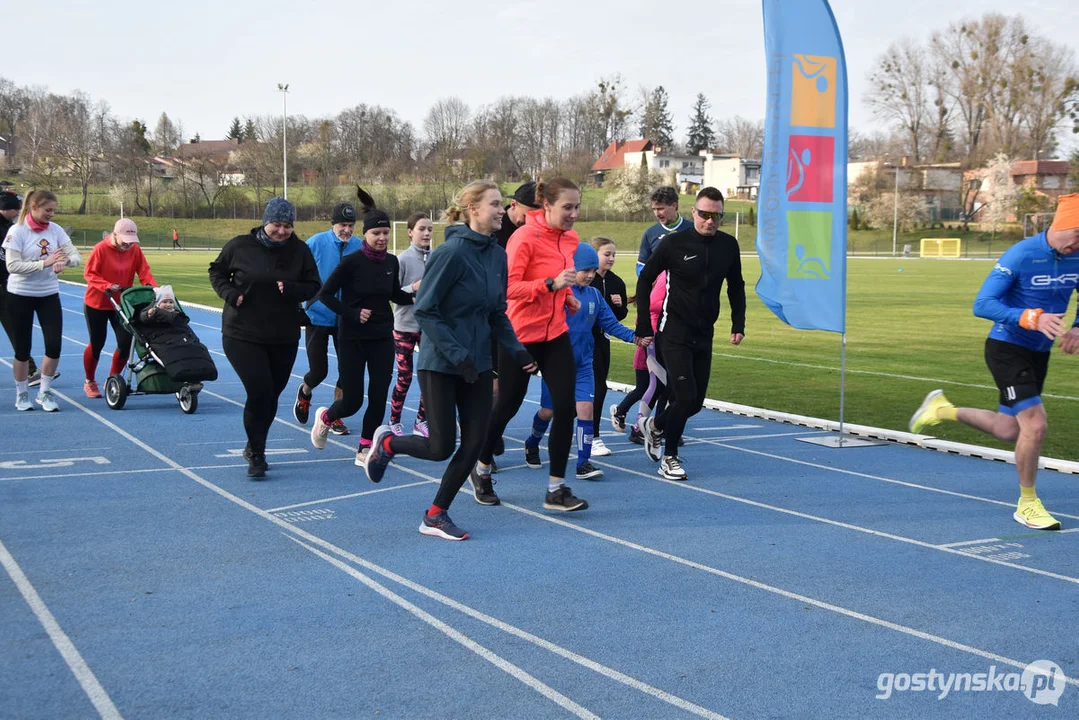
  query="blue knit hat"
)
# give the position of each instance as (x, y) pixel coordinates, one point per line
(585, 258)
(279, 210)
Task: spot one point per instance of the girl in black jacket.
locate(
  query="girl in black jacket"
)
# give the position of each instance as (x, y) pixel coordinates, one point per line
(369, 281)
(613, 289)
(263, 277)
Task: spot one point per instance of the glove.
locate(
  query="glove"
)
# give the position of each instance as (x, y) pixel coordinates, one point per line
(467, 370)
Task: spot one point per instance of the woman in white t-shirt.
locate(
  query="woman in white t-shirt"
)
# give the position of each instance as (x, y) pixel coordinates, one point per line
(36, 251)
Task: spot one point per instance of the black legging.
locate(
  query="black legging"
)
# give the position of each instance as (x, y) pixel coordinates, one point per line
(97, 322)
(264, 370)
(689, 365)
(353, 357)
(601, 365)
(317, 340)
(448, 397)
(555, 361)
(50, 316)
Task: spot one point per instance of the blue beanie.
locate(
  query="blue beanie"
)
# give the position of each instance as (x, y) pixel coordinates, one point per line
(585, 257)
(279, 210)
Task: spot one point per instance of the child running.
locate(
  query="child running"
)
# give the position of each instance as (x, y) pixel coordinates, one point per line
(406, 329)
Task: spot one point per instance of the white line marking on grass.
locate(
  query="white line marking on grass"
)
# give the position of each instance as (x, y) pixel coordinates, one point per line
(82, 672)
(835, 523)
(315, 540)
(855, 473)
(499, 662)
(350, 496)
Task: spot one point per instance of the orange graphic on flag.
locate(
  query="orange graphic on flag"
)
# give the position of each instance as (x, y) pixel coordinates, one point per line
(813, 91)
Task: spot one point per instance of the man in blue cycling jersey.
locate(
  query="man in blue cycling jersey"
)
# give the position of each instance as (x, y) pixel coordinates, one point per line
(665, 207)
(1025, 296)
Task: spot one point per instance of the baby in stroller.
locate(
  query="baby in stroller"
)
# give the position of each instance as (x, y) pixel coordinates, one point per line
(165, 327)
(163, 310)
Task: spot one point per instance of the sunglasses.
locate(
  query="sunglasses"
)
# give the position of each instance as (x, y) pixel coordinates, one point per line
(705, 215)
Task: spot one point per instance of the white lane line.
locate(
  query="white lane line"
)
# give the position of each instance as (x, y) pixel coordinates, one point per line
(729, 427)
(315, 540)
(82, 672)
(1041, 534)
(969, 542)
(458, 637)
(350, 496)
(868, 476)
(85, 474)
(913, 632)
(835, 523)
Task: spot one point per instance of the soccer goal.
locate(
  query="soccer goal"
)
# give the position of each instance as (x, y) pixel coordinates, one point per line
(941, 247)
(399, 239)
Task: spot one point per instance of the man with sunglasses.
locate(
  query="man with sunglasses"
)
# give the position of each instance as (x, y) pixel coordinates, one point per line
(697, 262)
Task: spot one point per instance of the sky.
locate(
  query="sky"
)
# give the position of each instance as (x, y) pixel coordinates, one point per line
(205, 62)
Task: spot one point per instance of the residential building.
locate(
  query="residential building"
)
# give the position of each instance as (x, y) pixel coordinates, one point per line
(615, 156)
(940, 184)
(1048, 178)
(734, 176)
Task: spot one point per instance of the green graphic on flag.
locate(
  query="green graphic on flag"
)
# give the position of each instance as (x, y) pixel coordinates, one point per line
(809, 245)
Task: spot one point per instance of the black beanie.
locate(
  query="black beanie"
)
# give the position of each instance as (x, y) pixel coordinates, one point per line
(375, 218)
(344, 212)
(10, 201)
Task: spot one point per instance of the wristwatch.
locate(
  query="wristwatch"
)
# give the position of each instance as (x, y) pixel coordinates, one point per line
(549, 282)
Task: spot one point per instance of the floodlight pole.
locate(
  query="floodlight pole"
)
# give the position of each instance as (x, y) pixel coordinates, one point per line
(895, 212)
(283, 88)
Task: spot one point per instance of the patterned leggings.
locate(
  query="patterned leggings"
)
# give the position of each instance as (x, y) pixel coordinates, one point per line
(404, 343)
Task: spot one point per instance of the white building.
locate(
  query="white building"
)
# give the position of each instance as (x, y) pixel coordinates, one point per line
(733, 176)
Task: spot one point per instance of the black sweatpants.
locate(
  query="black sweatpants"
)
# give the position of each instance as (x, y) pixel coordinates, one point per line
(689, 365)
(555, 361)
(97, 325)
(601, 366)
(448, 397)
(50, 316)
(6, 322)
(354, 357)
(317, 340)
(264, 370)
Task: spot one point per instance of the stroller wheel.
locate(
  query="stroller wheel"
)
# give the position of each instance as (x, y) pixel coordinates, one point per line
(189, 401)
(115, 392)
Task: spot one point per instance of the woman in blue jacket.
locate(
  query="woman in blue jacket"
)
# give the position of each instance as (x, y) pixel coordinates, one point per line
(460, 306)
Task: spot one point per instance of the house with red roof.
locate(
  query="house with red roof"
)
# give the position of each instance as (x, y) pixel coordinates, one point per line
(615, 156)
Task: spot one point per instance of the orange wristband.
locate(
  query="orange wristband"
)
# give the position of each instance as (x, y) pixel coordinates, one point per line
(1029, 318)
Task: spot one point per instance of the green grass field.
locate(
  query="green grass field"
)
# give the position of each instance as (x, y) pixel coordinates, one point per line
(909, 330)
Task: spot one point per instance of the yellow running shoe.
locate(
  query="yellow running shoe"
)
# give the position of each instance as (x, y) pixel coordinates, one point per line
(1034, 515)
(927, 413)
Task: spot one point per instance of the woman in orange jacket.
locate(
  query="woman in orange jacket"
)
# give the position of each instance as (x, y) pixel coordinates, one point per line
(540, 273)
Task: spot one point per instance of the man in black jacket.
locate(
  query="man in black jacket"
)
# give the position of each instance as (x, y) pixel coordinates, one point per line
(697, 262)
(522, 202)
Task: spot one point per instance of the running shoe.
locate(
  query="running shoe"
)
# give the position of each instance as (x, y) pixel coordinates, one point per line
(302, 407)
(421, 429)
(22, 401)
(1034, 515)
(564, 500)
(599, 449)
(396, 429)
(91, 389)
(46, 401)
(441, 526)
(588, 471)
(928, 413)
(494, 466)
(635, 436)
(483, 488)
(320, 430)
(256, 466)
(653, 439)
(532, 457)
(35, 378)
(670, 468)
(339, 428)
(378, 457)
(361, 456)
(618, 420)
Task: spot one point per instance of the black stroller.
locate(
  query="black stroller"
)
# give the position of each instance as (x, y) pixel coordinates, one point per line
(162, 360)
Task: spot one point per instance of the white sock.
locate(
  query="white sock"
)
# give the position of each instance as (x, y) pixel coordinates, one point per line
(46, 382)
(483, 469)
(21, 387)
(553, 485)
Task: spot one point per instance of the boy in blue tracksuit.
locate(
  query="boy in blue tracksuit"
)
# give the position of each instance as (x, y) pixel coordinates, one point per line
(594, 311)
(1025, 296)
(329, 248)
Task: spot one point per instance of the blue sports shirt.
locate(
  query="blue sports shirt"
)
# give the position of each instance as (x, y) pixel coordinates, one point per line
(652, 236)
(1031, 274)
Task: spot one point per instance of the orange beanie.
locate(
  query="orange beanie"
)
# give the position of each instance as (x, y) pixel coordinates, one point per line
(1067, 217)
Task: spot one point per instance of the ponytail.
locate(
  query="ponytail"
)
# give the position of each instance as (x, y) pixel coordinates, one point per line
(34, 199)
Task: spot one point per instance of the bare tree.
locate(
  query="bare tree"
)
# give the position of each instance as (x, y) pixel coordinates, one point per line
(742, 137)
(76, 140)
(1053, 94)
(14, 105)
(900, 91)
(37, 134)
(446, 126)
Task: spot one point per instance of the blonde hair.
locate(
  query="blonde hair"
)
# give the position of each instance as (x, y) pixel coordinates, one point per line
(35, 199)
(471, 193)
(601, 242)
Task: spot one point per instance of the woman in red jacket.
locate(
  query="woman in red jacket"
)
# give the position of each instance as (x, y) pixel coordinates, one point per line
(540, 264)
(113, 264)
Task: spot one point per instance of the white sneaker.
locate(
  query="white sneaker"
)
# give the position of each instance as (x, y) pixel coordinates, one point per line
(421, 429)
(618, 421)
(320, 430)
(653, 440)
(397, 429)
(599, 449)
(46, 401)
(361, 456)
(22, 401)
(670, 468)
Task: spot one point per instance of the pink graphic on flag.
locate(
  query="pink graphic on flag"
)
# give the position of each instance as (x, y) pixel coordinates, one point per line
(810, 167)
